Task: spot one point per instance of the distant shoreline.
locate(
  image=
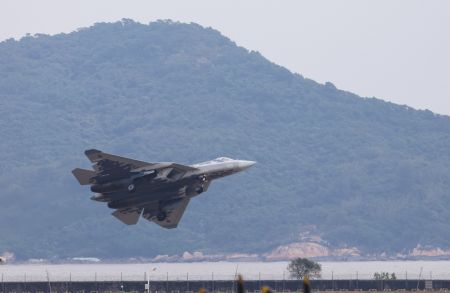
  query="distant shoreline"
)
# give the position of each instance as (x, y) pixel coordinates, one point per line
(217, 270)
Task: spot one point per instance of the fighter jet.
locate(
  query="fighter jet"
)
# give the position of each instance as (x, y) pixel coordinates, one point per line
(159, 192)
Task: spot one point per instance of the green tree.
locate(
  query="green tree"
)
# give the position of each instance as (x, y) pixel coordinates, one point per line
(301, 267)
(384, 276)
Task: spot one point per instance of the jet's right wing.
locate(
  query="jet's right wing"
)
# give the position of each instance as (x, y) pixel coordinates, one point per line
(174, 211)
(129, 216)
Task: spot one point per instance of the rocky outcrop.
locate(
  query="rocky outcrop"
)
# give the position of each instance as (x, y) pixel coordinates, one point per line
(6, 257)
(294, 250)
(420, 251)
(309, 250)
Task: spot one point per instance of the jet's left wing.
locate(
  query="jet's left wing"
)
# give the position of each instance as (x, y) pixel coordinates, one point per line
(110, 167)
(96, 156)
(174, 211)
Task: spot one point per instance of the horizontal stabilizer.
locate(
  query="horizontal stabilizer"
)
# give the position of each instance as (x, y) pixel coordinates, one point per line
(83, 176)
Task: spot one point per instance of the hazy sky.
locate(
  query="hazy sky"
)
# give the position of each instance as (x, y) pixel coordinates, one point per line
(395, 50)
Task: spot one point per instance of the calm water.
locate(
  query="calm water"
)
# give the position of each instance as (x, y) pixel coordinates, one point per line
(218, 270)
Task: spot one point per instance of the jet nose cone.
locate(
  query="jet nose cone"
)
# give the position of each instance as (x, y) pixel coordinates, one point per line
(246, 164)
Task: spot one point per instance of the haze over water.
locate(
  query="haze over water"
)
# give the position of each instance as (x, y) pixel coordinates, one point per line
(218, 270)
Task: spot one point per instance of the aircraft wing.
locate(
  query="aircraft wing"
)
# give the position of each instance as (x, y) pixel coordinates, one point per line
(174, 210)
(129, 216)
(111, 167)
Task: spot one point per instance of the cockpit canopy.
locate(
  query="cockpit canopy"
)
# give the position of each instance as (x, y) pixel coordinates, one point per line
(217, 160)
(222, 159)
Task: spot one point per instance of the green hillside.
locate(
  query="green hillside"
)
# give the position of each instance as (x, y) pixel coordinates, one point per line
(356, 171)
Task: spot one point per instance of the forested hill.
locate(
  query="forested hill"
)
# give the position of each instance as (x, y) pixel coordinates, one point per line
(356, 171)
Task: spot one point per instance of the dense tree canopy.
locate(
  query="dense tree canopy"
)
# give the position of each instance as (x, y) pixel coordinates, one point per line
(356, 171)
(300, 268)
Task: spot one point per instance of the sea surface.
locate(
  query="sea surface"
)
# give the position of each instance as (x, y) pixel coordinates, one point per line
(217, 271)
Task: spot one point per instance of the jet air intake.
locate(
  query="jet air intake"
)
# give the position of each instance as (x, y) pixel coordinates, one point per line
(126, 184)
(108, 187)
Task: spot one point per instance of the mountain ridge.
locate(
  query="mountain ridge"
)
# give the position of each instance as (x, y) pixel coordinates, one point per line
(356, 171)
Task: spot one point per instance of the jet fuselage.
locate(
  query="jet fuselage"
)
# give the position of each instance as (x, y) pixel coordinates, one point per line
(158, 191)
(162, 186)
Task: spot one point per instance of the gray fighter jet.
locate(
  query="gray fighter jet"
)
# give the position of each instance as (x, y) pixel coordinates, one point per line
(160, 192)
